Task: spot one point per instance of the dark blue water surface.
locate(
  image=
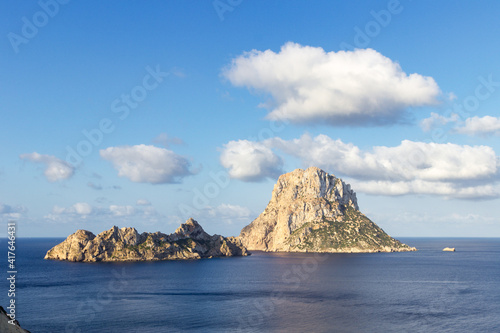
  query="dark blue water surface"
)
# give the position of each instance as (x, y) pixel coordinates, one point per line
(424, 291)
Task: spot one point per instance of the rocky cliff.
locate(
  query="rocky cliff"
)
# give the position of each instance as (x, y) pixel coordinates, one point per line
(189, 241)
(313, 211)
(7, 325)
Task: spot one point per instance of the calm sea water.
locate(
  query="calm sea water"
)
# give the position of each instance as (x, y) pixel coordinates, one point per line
(424, 291)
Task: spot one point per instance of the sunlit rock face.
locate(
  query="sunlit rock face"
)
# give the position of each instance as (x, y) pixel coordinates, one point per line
(313, 211)
(189, 241)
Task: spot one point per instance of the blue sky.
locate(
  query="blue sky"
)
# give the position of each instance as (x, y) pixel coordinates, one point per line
(144, 115)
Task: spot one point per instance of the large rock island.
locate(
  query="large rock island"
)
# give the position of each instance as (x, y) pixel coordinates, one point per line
(189, 241)
(313, 211)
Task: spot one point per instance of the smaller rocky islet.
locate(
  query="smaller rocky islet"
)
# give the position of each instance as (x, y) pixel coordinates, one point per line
(189, 241)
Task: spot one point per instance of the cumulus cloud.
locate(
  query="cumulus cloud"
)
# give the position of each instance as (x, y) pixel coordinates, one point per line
(309, 85)
(437, 120)
(424, 217)
(7, 209)
(250, 161)
(228, 214)
(146, 215)
(486, 125)
(450, 170)
(143, 212)
(412, 167)
(406, 162)
(126, 210)
(229, 211)
(447, 189)
(474, 126)
(82, 208)
(55, 168)
(11, 212)
(147, 164)
(79, 209)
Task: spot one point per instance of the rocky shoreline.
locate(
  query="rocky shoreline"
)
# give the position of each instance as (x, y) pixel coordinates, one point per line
(8, 325)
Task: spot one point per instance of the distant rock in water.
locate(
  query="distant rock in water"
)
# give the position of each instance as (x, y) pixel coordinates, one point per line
(7, 325)
(313, 211)
(189, 241)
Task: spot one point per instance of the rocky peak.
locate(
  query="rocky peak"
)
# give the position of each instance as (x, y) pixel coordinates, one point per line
(83, 234)
(7, 325)
(191, 229)
(311, 210)
(127, 236)
(313, 183)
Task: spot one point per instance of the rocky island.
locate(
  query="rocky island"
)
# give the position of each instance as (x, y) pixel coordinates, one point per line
(189, 241)
(313, 211)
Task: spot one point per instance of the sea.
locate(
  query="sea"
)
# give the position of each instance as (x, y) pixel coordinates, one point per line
(424, 291)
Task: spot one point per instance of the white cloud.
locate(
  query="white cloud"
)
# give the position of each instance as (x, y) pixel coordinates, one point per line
(425, 217)
(82, 208)
(55, 169)
(147, 164)
(146, 215)
(443, 188)
(486, 125)
(78, 210)
(123, 214)
(228, 214)
(307, 84)
(11, 212)
(229, 211)
(143, 202)
(122, 210)
(407, 162)
(436, 120)
(450, 170)
(7, 209)
(250, 161)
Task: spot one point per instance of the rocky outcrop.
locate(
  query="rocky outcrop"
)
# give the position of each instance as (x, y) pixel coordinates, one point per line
(313, 211)
(7, 325)
(189, 241)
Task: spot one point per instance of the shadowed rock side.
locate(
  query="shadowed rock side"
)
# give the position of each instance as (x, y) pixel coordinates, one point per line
(312, 211)
(189, 241)
(6, 326)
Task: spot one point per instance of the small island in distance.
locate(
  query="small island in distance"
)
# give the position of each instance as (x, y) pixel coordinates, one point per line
(310, 211)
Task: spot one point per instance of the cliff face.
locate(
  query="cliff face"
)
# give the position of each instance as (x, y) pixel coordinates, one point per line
(312, 211)
(6, 326)
(189, 241)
